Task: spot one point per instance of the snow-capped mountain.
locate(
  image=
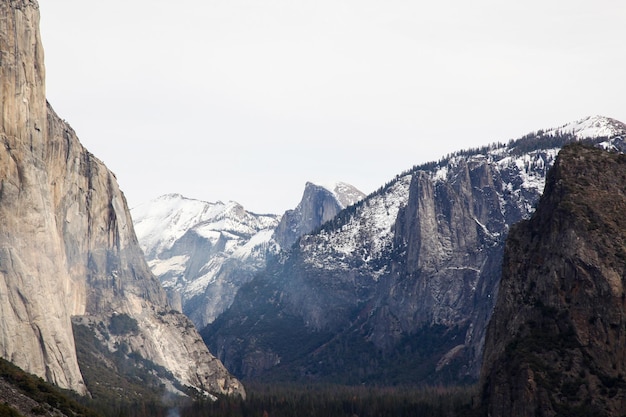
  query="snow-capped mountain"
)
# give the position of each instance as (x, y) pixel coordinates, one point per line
(399, 287)
(192, 246)
(590, 127)
(204, 252)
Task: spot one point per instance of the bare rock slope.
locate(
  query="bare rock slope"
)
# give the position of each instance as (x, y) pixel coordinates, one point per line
(67, 244)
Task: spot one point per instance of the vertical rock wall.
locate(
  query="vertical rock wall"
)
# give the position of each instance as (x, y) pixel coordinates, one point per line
(556, 343)
(67, 244)
(34, 281)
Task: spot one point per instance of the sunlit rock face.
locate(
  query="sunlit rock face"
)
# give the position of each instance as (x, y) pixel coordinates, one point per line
(67, 243)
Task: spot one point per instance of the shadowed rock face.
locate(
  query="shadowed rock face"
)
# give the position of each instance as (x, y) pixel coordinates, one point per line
(67, 244)
(556, 343)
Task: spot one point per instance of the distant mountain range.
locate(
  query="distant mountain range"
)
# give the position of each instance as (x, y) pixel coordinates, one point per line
(399, 287)
(204, 252)
(406, 277)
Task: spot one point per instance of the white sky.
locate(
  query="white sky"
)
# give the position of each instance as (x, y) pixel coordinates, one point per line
(246, 100)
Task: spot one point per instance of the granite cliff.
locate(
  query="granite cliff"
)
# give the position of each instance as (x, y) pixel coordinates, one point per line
(67, 243)
(556, 343)
(318, 205)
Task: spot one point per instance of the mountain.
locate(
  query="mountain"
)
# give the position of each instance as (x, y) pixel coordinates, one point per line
(68, 252)
(555, 344)
(399, 287)
(204, 252)
(318, 205)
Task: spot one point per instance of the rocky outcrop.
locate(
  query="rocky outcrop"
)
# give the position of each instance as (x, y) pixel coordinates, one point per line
(556, 343)
(318, 205)
(67, 243)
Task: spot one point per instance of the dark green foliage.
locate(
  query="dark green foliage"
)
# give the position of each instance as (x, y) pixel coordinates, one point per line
(537, 141)
(48, 396)
(564, 355)
(341, 401)
(320, 356)
(291, 400)
(553, 335)
(122, 324)
(352, 360)
(7, 411)
(281, 333)
(267, 400)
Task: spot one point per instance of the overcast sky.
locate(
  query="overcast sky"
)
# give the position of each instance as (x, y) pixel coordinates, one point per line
(246, 100)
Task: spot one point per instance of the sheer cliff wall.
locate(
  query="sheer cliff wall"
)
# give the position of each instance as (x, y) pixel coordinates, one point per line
(67, 244)
(555, 344)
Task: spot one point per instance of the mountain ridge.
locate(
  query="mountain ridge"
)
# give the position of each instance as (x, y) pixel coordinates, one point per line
(434, 233)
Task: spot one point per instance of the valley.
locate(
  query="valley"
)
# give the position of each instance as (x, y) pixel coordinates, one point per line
(489, 282)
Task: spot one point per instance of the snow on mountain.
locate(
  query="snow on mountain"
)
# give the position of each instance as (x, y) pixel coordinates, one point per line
(162, 221)
(369, 229)
(205, 251)
(379, 213)
(345, 194)
(319, 204)
(590, 127)
(421, 254)
(188, 243)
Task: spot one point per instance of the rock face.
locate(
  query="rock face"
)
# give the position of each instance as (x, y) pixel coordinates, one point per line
(206, 251)
(556, 343)
(318, 205)
(398, 288)
(67, 244)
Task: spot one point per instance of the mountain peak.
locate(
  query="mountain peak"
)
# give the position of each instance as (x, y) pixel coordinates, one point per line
(319, 204)
(591, 127)
(171, 196)
(193, 245)
(343, 192)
